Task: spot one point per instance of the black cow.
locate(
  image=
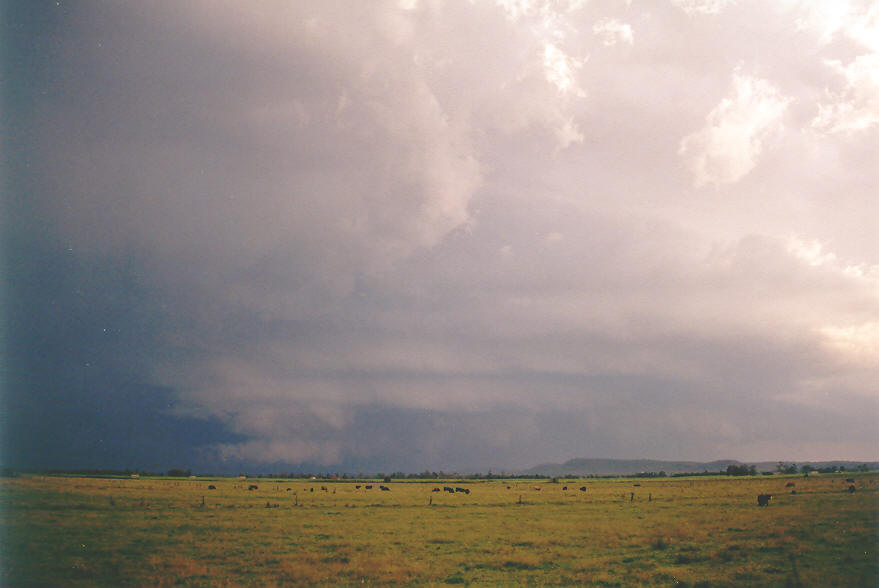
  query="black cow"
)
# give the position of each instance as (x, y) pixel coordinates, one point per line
(436, 490)
(324, 488)
(851, 488)
(789, 485)
(582, 488)
(449, 490)
(212, 487)
(368, 487)
(384, 488)
(763, 499)
(564, 487)
(253, 487)
(357, 487)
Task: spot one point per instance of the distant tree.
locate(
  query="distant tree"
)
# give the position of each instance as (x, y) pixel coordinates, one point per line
(178, 473)
(785, 468)
(740, 470)
(806, 469)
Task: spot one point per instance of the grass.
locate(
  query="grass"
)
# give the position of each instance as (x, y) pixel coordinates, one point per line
(685, 532)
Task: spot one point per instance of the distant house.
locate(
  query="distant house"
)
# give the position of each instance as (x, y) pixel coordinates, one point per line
(135, 476)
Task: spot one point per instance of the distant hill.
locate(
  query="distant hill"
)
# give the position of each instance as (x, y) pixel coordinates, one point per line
(625, 467)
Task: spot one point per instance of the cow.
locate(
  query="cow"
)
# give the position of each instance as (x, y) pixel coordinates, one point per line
(311, 489)
(457, 489)
(564, 488)
(789, 485)
(763, 499)
(537, 488)
(384, 488)
(253, 487)
(448, 489)
(851, 480)
(436, 490)
(212, 487)
(582, 488)
(357, 487)
(324, 488)
(368, 487)
(851, 488)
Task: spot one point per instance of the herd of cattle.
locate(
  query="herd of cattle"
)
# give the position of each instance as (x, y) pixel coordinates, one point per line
(762, 499)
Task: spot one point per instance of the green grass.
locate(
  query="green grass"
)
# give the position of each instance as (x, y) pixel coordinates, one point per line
(685, 532)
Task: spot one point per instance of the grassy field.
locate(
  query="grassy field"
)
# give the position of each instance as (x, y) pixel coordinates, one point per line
(61, 531)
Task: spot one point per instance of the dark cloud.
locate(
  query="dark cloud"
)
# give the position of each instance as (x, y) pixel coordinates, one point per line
(445, 235)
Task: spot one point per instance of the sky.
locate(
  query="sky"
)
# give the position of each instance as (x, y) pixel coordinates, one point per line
(438, 234)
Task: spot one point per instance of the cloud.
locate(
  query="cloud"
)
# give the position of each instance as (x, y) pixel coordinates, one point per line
(855, 107)
(613, 31)
(422, 234)
(702, 7)
(560, 70)
(729, 145)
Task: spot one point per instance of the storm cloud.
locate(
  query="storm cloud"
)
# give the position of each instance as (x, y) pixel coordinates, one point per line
(440, 234)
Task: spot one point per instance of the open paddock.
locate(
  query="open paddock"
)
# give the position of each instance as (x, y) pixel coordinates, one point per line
(701, 531)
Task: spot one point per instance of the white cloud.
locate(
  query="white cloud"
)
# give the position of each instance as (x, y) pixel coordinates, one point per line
(702, 7)
(612, 31)
(560, 70)
(729, 145)
(812, 252)
(858, 343)
(856, 106)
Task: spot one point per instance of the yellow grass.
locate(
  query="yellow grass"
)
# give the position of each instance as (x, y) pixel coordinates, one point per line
(687, 532)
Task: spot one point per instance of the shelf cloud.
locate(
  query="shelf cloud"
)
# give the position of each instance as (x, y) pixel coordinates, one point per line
(439, 234)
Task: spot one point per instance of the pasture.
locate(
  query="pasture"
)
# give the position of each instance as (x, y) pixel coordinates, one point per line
(701, 531)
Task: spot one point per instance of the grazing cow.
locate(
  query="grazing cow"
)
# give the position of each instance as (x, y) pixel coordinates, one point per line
(763, 499)
(537, 488)
(509, 487)
(638, 485)
(564, 487)
(448, 489)
(368, 487)
(357, 487)
(324, 488)
(253, 487)
(435, 490)
(311, 489)
(851, 488)
(789, 485)
(384, 488)
(582, 488)
(212, 487)
(459, 489)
